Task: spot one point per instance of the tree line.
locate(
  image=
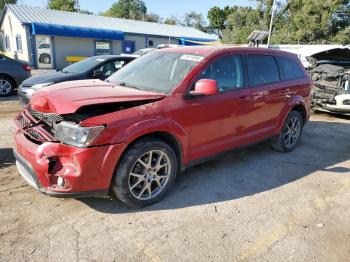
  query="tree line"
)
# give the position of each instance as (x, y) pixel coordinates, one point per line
(295, 21)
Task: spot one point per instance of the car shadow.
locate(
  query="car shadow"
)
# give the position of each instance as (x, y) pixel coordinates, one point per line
(250, 171)
(8, 98)
(6, 157)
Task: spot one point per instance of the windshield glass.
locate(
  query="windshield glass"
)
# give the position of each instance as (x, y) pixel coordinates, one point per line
(156, 72)
(83, 66)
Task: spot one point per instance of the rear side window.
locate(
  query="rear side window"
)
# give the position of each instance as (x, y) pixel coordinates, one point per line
(290, 69)
(262, 69)
(227, 71)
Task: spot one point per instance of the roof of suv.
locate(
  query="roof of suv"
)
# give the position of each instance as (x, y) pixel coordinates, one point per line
(209, 50)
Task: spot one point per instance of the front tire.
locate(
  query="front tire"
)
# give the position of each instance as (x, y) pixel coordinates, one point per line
(7, 86)
(146, 173)
(290, 134)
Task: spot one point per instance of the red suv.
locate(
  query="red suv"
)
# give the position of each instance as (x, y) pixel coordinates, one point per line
(133, 133)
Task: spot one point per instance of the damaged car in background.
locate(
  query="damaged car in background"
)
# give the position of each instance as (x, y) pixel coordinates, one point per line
(330, 72)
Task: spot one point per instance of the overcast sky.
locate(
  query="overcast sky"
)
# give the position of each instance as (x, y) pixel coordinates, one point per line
(164, 8)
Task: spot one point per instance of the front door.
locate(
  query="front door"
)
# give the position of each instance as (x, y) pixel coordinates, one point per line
(219, 120)
(128, 47)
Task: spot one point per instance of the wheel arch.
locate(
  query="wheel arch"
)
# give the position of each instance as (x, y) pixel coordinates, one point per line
(166, 137)
(302, 110)
(296, 103)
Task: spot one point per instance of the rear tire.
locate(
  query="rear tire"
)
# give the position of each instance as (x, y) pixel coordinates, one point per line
(7, 86)
(146, 173)
(290, 134)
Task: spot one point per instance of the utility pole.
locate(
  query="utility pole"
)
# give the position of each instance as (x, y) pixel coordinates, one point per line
(77, 6)
(271, 22)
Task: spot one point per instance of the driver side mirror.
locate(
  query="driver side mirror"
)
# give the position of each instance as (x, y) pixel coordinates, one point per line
(97, 74)
(205, 87)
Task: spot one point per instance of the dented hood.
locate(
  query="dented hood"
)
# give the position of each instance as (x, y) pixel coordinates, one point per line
(336, 54)
(68, 97)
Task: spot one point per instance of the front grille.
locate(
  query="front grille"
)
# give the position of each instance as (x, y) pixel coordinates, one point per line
(49, 118)
(23, 122)
(36, 126)
(36, 135)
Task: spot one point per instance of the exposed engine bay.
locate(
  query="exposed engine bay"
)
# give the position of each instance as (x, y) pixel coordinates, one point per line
(41, 127)
(330, 73)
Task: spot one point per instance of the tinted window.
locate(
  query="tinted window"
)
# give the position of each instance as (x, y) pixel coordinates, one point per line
(290, 69)
(83, 66)
(262, 70)
(110, 68)
(227, 71)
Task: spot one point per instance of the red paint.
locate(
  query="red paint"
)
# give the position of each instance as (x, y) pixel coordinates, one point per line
(206, 87)
(202, 125)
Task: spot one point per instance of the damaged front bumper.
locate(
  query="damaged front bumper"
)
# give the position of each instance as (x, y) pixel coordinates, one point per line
(64, 171)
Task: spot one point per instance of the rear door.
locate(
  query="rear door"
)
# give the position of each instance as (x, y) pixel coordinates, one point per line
(269, 94)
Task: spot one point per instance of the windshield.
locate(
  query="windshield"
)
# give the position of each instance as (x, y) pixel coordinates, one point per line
(156, 72)
(83, 66)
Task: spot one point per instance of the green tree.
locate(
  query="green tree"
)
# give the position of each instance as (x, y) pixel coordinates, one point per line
(128, 9)
(170, 21)
(296, 21)
(154, 18)
(85, 12)
(195, 20)
(217, 18)
(3, 2)
(62, 5)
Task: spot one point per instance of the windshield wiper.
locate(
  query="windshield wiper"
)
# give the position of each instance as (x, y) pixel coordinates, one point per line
(130, 86)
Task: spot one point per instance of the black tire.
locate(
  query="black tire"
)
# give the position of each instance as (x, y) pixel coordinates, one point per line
(45, 59)
(280, 143)
(10, 86)
(121, 185)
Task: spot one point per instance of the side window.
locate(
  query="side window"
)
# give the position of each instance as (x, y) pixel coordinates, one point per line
(227, 71)
(19, 43)
(108, 69)
(103, 48)
(290, 69)
(119, 64)
(262, 69)
(7, 43)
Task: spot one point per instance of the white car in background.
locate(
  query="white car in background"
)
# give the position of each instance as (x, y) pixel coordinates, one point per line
(44, 51)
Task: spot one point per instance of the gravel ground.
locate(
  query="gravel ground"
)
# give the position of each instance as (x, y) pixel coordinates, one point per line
(250, 205)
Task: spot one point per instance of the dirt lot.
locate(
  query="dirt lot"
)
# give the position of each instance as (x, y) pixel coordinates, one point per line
(252, 205)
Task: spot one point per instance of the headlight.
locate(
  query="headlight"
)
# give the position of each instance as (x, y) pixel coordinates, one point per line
(39, 86)
(76, 135)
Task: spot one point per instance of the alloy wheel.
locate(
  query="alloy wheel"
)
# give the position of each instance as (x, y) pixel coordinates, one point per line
(5, 87)
(149, 175)
(292, 132)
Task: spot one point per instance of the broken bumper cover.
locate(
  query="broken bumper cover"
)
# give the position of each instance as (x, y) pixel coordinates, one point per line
(342, 105)
(85, 171)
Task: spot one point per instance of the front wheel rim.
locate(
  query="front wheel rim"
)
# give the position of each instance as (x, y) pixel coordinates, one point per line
(149, 175)
(292, 132)
(5, 87)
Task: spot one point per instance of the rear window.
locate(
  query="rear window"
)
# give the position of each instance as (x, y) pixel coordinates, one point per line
(262, 69)
(290, 69)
